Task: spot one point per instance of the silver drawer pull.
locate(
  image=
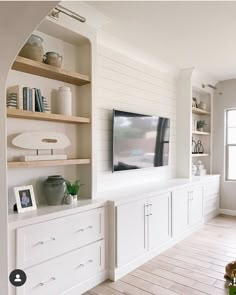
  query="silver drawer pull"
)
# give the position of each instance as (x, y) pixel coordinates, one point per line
(41, 284)
(80, 265)
(84, 229)
(46, 241)
(84, 264)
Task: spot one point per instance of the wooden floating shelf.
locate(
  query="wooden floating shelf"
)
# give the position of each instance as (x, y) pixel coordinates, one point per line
(20, 114)
(197, 111)
(200, 155)
(29, 66)
(36, 164)
(200, 133)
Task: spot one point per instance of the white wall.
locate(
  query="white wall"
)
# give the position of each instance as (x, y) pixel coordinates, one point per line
(127, 84)
(222, 102)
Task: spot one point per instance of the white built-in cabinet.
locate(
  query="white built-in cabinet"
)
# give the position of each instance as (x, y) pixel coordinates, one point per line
(62, 255)
(142, 226)
(187, 209)
(159, 220)
(131, 231)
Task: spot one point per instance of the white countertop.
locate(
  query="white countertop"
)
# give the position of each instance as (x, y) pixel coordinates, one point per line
(145, 190)
(113, 197)
(44, 213)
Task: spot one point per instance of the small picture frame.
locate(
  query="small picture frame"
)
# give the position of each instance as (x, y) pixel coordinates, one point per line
(25, 199)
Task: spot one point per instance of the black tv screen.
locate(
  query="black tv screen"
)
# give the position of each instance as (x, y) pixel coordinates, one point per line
(139, 141)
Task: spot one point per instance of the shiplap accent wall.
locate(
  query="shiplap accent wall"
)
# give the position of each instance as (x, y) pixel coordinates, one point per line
(126, 84)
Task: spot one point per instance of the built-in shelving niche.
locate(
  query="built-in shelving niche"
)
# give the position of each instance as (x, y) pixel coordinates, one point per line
(205, 137)
(76, 52)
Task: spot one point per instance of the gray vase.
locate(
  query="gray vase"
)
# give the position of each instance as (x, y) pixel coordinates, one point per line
(55, 188)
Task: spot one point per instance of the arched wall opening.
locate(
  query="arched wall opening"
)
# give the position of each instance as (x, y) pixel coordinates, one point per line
(17, 21)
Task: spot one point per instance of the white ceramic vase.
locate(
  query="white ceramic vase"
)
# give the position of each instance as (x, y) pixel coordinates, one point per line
(64, 101)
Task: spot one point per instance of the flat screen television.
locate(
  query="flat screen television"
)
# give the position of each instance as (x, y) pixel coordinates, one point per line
(139, 141)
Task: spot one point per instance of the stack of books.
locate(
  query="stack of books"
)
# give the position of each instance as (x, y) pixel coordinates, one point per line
(26, 98)
(12, 101)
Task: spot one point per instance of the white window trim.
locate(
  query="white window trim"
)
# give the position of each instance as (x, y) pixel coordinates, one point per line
(226, 156)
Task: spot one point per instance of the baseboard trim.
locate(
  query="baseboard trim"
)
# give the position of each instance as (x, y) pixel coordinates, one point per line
(87, 285)
(227, 212)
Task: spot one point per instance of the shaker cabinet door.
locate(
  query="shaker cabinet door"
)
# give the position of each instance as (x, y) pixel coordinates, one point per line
(131, 232)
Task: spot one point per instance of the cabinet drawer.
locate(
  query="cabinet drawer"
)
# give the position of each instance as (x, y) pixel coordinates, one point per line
(42, 241)
(212, 188)
(64, 272)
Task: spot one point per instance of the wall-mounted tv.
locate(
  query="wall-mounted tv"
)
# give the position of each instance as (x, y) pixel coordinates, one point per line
(139, 141)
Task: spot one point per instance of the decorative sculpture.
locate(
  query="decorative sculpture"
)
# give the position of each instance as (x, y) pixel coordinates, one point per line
(42, 141)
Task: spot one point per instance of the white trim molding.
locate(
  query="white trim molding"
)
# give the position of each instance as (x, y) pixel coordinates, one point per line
(227, 212)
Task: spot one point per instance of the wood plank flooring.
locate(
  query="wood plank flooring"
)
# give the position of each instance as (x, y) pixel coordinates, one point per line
(195, 266)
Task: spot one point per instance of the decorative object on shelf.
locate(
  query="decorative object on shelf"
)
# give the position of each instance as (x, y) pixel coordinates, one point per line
(201, 171)
(55, 190)
(73, 189)
(64, 101)
(42, 141)
(202, 105)
(33, 49)
(194, 125)
(15, 97)
(194, 169)
(197, 147)
(53, 59)
(69, 199)
(194, 102)
(193, 146)
(200, 125)
(25, 199)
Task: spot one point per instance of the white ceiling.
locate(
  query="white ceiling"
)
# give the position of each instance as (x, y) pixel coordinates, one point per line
(183, 34)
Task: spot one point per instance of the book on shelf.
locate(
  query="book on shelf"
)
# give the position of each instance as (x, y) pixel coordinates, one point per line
(26, 98)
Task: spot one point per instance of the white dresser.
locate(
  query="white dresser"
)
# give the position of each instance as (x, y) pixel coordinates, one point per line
(61, 252)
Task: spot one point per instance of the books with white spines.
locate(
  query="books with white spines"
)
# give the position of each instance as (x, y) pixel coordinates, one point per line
(16, 91)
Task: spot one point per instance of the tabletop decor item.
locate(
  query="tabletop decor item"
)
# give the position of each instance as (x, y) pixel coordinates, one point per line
(199, 149)
(200, 125)
(42, 141)
(55, 190)
(53, 59)
(202, 105)
(64, 101)
(25, 200)
(201, 171)
(193, 146)
(194, 102)
(73, 189)
(33, 48)
(194, 169)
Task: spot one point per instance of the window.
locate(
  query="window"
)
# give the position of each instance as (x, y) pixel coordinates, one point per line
(231, 145)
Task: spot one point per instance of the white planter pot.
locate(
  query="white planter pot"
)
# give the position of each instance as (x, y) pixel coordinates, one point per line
(64, 101)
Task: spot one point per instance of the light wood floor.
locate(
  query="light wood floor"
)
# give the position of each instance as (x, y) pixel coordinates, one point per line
(195, 266)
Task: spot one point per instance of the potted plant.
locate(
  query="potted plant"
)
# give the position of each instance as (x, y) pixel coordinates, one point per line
(200, 125)
(72, 190)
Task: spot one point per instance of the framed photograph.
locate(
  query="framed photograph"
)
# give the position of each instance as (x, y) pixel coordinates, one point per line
(25, 199)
